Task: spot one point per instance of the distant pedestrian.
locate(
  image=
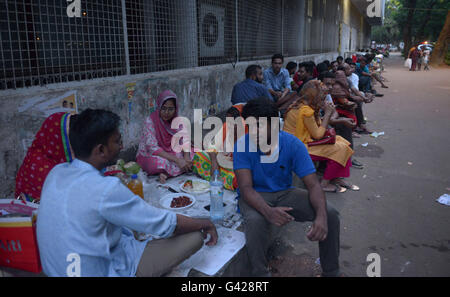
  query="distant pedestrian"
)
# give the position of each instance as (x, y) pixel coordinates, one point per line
(426, 59)
(414, 56)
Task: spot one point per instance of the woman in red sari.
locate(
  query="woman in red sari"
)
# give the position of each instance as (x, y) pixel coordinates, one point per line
(50, 147)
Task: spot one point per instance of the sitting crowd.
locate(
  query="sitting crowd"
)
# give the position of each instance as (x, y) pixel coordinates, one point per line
(321, 111)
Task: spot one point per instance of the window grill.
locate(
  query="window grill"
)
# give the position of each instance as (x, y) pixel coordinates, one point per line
(41, 44)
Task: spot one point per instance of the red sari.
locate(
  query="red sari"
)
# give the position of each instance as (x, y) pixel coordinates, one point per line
(50, 148)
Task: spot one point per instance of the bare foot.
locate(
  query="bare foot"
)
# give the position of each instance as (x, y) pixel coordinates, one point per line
(162, 178)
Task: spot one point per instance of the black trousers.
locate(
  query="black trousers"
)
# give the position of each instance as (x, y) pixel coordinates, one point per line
(344, 132)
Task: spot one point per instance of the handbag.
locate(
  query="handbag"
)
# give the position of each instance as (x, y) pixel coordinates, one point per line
(328, 138)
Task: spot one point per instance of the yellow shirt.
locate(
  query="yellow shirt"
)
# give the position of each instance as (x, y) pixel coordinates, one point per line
(302, 123)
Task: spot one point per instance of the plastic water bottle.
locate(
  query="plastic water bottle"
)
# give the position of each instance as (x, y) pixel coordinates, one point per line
(135, 185)
(216, 194)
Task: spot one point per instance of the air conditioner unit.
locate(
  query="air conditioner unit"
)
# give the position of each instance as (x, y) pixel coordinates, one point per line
(211, 28)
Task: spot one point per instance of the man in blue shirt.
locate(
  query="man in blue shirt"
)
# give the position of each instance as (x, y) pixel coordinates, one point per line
(250, 88)
(266, 192)
(86, 221)
(277, 79)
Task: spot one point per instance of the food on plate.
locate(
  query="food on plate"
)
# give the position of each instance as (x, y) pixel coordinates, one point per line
(195, 185)
(181, 201)
(188, 185)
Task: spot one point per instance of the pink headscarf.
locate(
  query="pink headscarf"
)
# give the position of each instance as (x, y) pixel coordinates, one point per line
(164, 132)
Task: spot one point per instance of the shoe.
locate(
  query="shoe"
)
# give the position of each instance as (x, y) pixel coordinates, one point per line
(379, 95)
(357, 165)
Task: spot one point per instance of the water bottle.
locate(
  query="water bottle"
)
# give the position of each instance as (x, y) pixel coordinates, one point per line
(135, 185)
(216, 194)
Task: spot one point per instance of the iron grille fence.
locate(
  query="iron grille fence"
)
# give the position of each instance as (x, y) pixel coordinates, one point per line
(41, 44)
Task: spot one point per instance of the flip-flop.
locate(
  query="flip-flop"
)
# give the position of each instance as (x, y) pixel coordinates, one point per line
(337, 189)
(350, 187)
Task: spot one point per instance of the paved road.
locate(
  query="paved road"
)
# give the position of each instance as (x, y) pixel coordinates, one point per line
(395, 214)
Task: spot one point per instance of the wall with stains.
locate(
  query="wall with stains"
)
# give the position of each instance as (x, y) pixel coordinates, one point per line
(209, 88)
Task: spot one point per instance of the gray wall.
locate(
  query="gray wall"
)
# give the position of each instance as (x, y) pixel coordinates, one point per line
(198, 88)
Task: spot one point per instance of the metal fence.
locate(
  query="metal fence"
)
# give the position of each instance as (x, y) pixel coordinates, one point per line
(41, 44)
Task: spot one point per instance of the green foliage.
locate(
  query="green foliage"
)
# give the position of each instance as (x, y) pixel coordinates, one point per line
(447, 58)
(429, 18)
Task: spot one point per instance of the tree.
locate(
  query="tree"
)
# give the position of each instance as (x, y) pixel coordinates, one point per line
(420, 20)
(442, 45)
(407, 29)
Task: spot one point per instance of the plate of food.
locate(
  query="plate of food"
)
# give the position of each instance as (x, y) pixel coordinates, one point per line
(177, 201)
(195, 186)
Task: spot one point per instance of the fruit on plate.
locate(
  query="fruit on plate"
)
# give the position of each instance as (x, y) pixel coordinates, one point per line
(131, 168)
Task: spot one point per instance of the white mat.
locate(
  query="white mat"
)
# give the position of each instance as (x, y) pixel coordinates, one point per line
(209, 260)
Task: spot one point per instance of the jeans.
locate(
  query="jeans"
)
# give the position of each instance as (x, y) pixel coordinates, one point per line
(365, 84)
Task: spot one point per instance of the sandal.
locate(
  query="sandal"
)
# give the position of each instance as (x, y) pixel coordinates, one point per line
(347, 186)
(337, 189)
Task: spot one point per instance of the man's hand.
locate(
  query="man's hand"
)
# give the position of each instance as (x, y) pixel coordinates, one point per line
(319, 230)
(329, 107)
(369, 98)
(349, 123)
(211, 230)
(279, 216)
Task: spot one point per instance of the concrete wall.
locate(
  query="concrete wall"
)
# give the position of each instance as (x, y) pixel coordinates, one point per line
(21, 115)
(353, 29)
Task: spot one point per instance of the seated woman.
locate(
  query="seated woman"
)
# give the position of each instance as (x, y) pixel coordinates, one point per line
(155, 154)
(217, 157)
(303, 120)
(50, 147)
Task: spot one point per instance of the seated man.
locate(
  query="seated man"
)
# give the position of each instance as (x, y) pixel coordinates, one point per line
(305, 73)
(365, 77)
(334, 66)
(93, 217)
(267, 196)
(252, 87)
(277, 79)
(359, 98)
(291, 67)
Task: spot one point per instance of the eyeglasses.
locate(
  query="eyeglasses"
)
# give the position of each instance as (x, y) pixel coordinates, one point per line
(168, 109)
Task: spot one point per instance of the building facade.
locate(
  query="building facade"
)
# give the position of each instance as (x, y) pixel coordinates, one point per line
(120, 54)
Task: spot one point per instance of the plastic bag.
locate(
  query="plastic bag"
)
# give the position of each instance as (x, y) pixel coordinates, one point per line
(408, 63)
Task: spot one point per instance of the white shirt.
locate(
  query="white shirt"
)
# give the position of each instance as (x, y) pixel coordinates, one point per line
(355, 80)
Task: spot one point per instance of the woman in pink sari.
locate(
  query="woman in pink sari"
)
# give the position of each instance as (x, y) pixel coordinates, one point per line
(155, 154)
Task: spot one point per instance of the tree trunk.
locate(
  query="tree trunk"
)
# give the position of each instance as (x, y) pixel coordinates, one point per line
(408, 27)
(442, 45)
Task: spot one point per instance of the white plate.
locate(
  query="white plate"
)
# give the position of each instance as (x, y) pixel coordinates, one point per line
(167, 199)
(192, 191)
